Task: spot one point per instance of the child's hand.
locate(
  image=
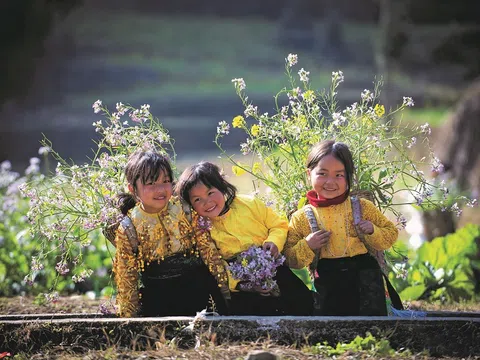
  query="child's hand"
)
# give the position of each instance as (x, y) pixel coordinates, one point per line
(365, 227)
(318, 239)
(270, 246)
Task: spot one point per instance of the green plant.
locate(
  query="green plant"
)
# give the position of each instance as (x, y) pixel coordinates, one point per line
(69, 209)
(277, 145)
(16, 244)
(442, 269)
(19, 246)
(368, 345)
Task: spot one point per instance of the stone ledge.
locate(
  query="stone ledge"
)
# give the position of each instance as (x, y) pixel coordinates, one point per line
(441, 336)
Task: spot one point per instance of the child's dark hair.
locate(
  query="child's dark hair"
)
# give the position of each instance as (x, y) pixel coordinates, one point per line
(339, 150)
(209, 175)
(145, 166)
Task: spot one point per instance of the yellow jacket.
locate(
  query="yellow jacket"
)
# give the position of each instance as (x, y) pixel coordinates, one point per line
(344, 241)
(162, 234)
(248, 222)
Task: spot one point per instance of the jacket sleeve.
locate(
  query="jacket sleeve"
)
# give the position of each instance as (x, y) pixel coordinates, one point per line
(277, 227)
(384, 231)
(212, 258)
(126, 275)
(297, 252)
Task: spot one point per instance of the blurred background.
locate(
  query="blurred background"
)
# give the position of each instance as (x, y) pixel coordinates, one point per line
(59, 56)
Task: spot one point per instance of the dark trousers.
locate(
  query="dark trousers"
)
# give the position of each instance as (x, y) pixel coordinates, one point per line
(179, 286)
(295, 298)
(350, 287)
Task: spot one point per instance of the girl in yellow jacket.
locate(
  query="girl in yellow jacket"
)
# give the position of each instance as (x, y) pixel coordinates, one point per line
(237, 223)
(160, 266)
(348, 280)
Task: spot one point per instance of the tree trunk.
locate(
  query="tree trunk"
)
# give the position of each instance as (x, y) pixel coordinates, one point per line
(458, 146)
(437, 223)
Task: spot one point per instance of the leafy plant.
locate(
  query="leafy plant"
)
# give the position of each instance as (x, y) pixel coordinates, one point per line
(368, 345)
(277, 144)
(16, 243)
(442, 269)
(69, 209)
(20, 247)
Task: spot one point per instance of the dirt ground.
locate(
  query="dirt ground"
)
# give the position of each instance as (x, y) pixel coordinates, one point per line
(165, 350)
(82, 304)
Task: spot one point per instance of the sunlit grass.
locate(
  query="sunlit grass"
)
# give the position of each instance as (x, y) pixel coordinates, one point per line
(433, 116)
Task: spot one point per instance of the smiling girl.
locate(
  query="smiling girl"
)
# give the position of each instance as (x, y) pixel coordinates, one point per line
(157, 245)
(237, 223)
(349, 280)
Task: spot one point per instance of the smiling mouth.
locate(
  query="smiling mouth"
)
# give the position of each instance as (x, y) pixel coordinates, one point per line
(211, 209)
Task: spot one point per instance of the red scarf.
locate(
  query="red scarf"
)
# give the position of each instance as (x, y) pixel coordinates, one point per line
(315, 200)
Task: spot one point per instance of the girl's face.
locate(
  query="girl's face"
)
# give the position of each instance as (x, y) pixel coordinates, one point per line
(328, 178)
(207, 202)
(154, 196)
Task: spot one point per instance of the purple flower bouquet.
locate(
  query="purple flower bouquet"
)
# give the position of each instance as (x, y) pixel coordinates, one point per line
(256, 268)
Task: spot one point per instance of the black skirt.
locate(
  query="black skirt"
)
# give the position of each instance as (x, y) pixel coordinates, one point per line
(295, 298)
(350, 287)
(179, 285)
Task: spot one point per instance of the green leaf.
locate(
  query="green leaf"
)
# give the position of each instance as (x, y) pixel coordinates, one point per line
(433, 252)
(107, 291)
(302, 202)
(413, 292)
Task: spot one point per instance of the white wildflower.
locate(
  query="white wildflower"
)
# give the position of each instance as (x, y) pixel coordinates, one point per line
(97, 106)
(239, 84)
(408, 101)
(303, 75)
(292, 59)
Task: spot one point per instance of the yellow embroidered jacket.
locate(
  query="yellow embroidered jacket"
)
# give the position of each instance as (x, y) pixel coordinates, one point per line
(248, 222)
(344, 241)
(162, 234)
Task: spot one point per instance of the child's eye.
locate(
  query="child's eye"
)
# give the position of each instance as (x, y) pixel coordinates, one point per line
(340, 175)
(166, 181)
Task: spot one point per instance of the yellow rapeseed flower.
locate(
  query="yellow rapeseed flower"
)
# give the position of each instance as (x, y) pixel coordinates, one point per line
(244, 262)
(379, 110)
(238, 121)
(309, 96)
(256, 168)
(255, 130)
(301, 119)
(238, 171)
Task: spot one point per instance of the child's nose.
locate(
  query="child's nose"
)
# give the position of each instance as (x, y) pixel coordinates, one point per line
(160, 187)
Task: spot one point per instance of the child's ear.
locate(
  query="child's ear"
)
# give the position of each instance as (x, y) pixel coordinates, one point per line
(131, 189)
(308, 172)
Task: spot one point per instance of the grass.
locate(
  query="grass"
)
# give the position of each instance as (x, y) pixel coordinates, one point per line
(433, 116)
